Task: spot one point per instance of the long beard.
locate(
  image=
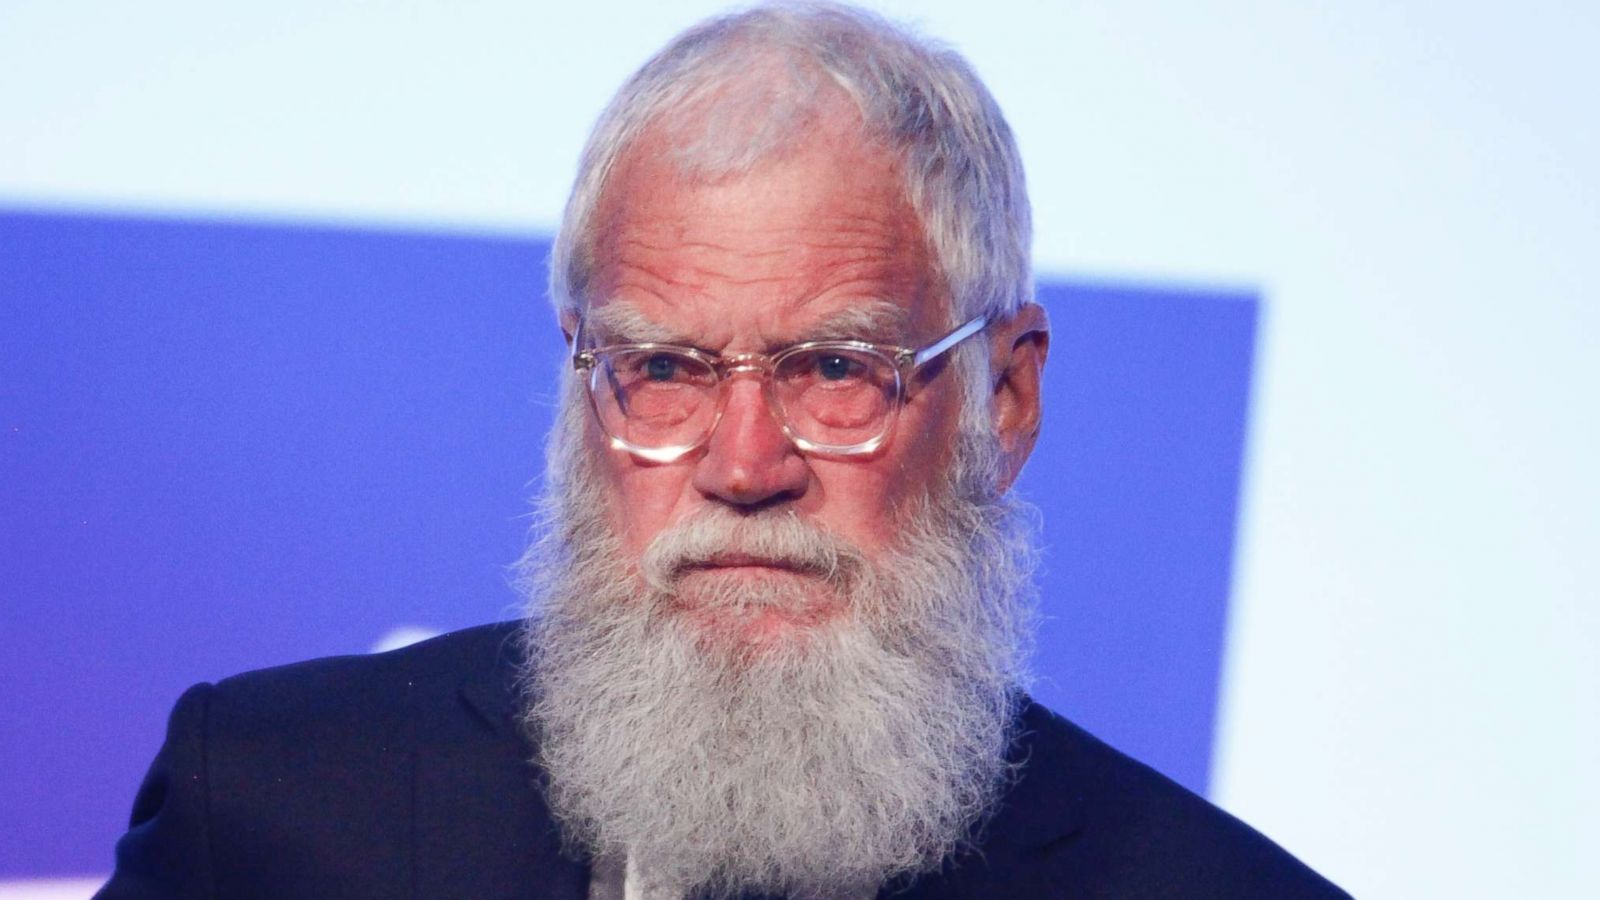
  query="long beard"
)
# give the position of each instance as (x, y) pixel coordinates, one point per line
(830, 759)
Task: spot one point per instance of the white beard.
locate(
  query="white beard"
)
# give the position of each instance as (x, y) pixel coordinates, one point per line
(828, 760)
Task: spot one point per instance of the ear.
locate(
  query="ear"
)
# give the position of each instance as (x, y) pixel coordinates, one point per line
(1018, 346)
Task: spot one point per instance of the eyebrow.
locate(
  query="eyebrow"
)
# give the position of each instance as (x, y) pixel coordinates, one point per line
(874, 321)
(621, 322)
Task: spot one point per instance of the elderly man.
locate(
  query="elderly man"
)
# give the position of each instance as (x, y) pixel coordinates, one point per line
(781, 595)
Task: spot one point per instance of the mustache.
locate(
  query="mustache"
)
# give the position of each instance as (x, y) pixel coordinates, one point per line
(720, 537)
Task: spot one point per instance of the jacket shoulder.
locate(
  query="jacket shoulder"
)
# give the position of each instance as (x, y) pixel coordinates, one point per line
(357, 694)
(342, 680)
(1140, 833)
(349, 716)
(317, 778)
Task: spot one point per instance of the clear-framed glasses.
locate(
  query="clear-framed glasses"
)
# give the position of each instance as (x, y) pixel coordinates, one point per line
(832, 398)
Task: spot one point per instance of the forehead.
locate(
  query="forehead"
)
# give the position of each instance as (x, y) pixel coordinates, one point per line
(764, 255)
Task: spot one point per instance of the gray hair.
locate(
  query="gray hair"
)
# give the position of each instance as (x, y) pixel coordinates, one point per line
(963, 173)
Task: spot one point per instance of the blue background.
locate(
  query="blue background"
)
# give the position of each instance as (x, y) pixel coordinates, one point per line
(228, 445)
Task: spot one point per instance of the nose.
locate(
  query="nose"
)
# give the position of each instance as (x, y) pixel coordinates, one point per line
(748, 460)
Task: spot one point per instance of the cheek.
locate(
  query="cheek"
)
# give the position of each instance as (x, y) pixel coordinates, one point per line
(860, 499)
(639, 498)
(647, 497)
(921, 452)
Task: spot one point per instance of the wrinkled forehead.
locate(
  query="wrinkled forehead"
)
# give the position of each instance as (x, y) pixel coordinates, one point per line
(819, 242)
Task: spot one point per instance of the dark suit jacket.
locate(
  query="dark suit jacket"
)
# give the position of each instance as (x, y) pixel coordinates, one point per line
(402, 775)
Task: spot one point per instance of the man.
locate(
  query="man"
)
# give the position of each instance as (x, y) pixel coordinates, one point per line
(781, 597)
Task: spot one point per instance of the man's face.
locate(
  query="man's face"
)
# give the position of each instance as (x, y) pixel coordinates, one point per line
(754, 263)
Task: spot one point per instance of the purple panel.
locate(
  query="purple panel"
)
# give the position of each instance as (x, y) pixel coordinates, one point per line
(226, 446)
(1137, 476)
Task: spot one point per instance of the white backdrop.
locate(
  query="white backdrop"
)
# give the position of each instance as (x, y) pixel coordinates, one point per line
(1414, 651)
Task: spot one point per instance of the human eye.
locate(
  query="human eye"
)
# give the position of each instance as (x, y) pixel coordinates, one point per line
(837, 366)
(657, 367)
(661, 366)
(823, 365)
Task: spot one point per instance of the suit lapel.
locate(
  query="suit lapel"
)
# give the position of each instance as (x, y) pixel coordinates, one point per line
(481, 826)
(1042, 807)
(1045, 804)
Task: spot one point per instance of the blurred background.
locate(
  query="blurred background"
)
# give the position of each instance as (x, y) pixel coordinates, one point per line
(1322, 522)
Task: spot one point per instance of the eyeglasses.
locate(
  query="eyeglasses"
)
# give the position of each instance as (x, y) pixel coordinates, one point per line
(832, 398)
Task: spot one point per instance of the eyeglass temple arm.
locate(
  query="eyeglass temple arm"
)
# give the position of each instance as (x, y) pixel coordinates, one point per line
(580, 357)
(932, 351)
(583, 359)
